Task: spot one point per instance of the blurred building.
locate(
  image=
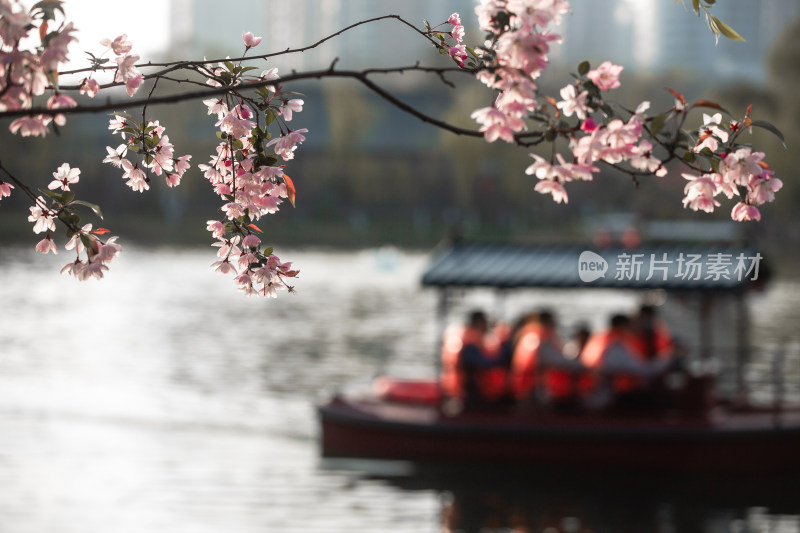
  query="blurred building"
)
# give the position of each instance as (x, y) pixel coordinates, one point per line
(213, 29)
(660, 36)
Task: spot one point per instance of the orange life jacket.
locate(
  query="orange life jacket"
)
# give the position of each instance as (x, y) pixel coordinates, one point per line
(491, 382)
(659, 347)
(528, 373)
(595, 350)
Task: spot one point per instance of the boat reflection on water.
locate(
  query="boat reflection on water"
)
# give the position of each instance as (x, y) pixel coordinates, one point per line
(482, 500)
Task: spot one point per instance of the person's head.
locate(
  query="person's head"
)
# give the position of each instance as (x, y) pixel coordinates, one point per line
(620, 322)
(547, 318)
(478, 320)
(582, 333)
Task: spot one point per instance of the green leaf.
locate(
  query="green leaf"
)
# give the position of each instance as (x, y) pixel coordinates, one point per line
(268, 251)
(770, 128)
(696, 6)
(269, 117)
(67, 196)
(726, 30)
(247, 69)
(583, 68)
(51, 194)
(87, 241)
(657, 124)
(93, 207)
(688, 157)
(222, 135)
(714, 164)
(230, 66)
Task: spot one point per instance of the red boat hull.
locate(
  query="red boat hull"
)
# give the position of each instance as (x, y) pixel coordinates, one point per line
(370, 427)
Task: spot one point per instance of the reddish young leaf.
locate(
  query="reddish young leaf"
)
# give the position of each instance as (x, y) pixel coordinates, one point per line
(678, 96)
(100, 231)
(290, 190)
(254, 227)
(712, 105)
(43, 31)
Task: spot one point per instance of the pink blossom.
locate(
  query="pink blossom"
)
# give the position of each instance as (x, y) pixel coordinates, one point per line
(642, 159)
(107, 251)
(572, 103)
(700, 192)
(526, 51)
(133, 83)
(76, 242)
(115, 156)
(742, 212)
(73, 268)
(224, 266)
(454, 20)
(289, 106)
(739, 166)
(56, 49)
(137, 179)
(249, 40)
(5, 189)
(530, 14)
(554, 188)
(64, 176)
(762, 189)
(91, 269)
(47, 245)
(496, 124)
(606, 76)
(251, 241)
(35, 125)
(710, 133)
(90, 87)
(285, 145)
(41, 217)
(121, 45)
(588, 125)
(541, 168)
(233, 210)
(457, 33)
(216, 228)
(216, 107)
(459, 53)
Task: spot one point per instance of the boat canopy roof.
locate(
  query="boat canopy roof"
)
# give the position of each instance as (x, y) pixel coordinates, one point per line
(692, 268)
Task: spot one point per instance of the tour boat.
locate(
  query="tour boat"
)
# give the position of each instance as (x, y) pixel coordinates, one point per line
(702, 430)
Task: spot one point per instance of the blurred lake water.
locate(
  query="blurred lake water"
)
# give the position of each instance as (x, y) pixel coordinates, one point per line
(161, 399)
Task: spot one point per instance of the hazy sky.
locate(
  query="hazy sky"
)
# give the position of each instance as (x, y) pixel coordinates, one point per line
(145, 21)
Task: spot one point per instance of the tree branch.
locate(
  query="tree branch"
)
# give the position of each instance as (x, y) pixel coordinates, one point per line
(295, 76)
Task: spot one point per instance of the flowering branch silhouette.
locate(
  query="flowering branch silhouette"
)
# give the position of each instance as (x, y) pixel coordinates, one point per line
(254, 112)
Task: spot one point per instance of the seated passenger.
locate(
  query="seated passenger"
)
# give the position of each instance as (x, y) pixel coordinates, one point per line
(652, 336)
(472, 367)
(539, 370)
(618, 365)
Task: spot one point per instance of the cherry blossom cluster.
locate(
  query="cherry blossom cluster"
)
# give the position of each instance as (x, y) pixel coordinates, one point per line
(152, 150)
(514, 56)
(126, 72)
(450, 42)
(82, 239)
(26, 73)
(246, 174)
(733, 170)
